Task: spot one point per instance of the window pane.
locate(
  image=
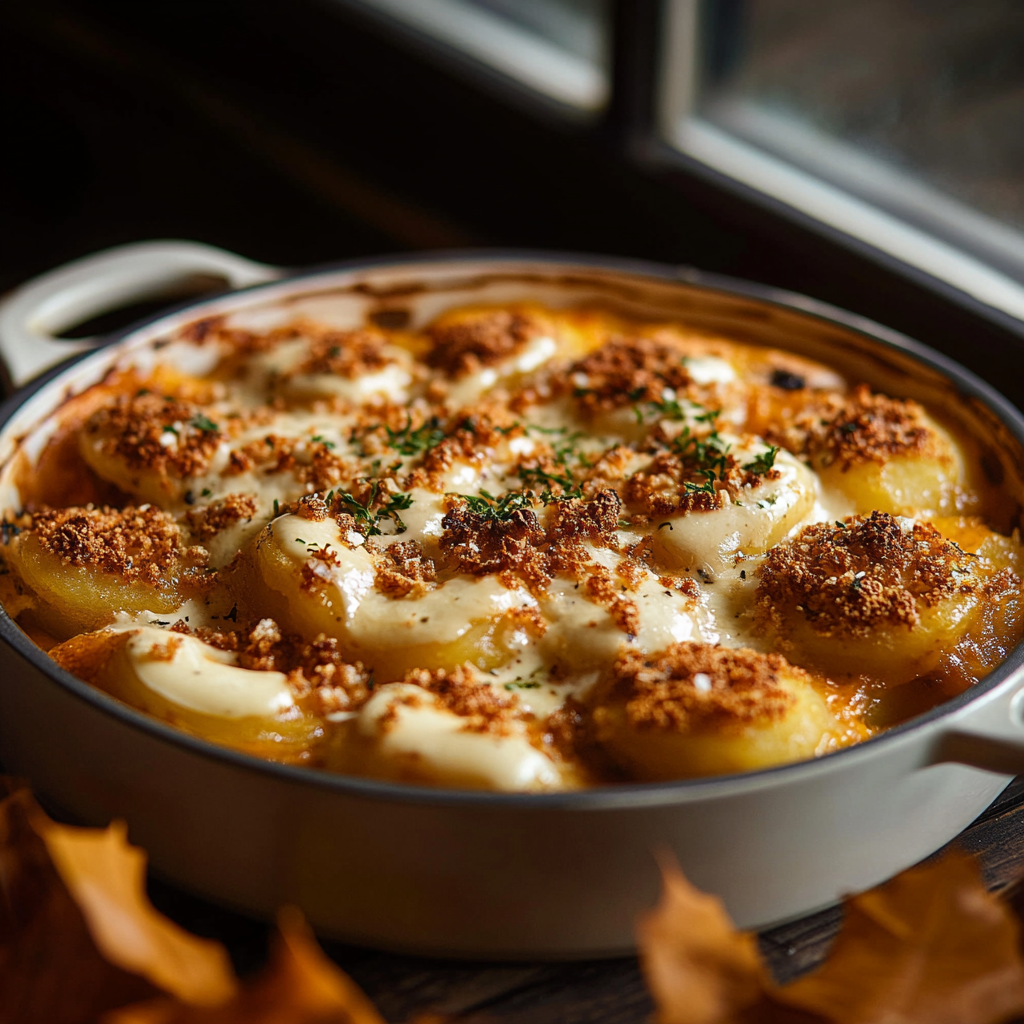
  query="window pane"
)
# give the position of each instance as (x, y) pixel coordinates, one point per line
(915, 105)
(557, 47)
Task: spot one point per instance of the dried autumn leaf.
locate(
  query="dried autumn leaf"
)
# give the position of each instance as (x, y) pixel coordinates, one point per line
(50, 969)
(299, 986)
(931, 946)
(77, 934)
(699, 968)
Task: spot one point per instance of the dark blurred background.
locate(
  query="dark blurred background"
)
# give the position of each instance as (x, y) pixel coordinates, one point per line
(307, 131)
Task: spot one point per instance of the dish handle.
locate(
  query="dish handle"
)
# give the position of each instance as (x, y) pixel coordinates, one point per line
(990, 736)
(34, 314)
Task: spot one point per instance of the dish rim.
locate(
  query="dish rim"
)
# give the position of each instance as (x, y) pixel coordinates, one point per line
(625, 795)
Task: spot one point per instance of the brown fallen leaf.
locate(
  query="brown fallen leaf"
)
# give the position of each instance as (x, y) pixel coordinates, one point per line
(931, 946)
(77, 934)
(699, 968)
(300, 985)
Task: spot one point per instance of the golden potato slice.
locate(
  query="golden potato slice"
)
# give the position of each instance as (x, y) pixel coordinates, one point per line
(196, 687)
(879, 595)
(887, 454)
(746, 511)
(152, 446)
(314, 580)
(700, 709)
(448, 729)
(86, 564)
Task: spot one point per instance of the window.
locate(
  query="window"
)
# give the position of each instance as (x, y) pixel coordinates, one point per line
(558, 48)
(900, 122)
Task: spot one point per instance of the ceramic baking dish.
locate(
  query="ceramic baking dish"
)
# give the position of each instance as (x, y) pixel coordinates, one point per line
(475, 874)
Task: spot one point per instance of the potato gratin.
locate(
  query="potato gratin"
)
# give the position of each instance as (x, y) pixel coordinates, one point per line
(519, 549)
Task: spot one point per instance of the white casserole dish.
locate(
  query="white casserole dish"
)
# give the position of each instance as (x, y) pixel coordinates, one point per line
(490, 875)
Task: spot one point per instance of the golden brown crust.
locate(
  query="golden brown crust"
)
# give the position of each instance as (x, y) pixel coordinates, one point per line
(691, 687)
(483, 543)
(135, 544)
(159, 434)
(626, 371)
(871, 571)
(317, 669)
(403, 571)
(208, 521)
(859, 428)
(348, 354)
(468, 345)
(484, 708)
(512, 542)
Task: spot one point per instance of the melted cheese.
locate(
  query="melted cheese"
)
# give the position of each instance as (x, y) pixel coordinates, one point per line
(201, 678)
(441, 519)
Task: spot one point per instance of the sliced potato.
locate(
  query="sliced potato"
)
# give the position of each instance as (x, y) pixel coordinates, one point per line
(85, 565)
(750, 517)
(314, 580)
(699, 709)
(404, 733)
(879, 596)
(196, 687)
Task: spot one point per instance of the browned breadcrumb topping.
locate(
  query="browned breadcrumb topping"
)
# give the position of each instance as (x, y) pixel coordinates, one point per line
(672, 483)
(317, 669)
(208, 521)
(575, 519)
(473, 441)
(872, 571)
(518, 549)
(312, 463)
(312, 507)
(403, 570)
(484, 708)
(692, 687)
(465, 346)
(349, 354)
(861, 427)
(156, 433)
(601, 588)
(135, 544)
(479, 544)
(316, 570)
(625, 371)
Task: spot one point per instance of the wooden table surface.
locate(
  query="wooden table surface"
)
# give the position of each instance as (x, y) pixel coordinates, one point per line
(591, 992)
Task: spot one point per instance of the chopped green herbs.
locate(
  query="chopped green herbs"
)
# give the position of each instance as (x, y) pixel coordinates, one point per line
(202, 422)
(320, 439)
(706, 456)
(764, 462)
(565, 447)
(419, 441)
(499, 510)
(368, 514)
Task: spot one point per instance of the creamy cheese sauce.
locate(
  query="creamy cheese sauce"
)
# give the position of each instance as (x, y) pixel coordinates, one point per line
(440, 555)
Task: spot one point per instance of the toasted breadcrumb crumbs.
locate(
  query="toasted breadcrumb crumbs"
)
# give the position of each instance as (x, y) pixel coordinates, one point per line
(468, 345)
(625, 371)
(858, 428)
(348, 354)
(872, 571)
(134, 544)
(208, 521)
(402, 570)
(459, 691)
(157, 433)
(736, 686)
